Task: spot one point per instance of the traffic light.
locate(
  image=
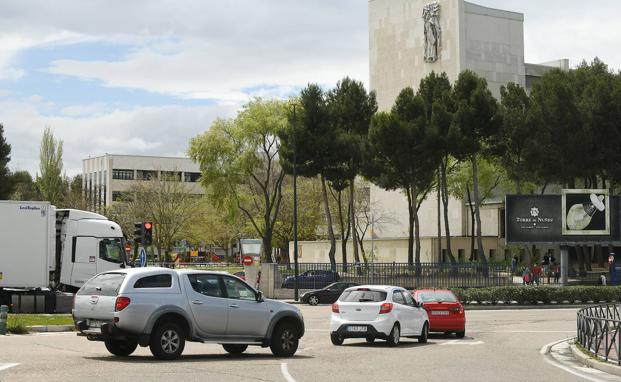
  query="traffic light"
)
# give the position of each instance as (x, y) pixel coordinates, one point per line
(147, 233)
(138, 233)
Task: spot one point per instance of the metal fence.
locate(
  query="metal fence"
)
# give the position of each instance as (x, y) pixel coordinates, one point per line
(426, 275)
(599, 331)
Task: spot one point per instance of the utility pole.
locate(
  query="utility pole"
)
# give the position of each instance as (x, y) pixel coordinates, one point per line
(295, 210)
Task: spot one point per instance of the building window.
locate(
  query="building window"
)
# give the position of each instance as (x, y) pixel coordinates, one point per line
(171, 176)
(147, 175)
(123, 174)
(492, 254)
(191, 177)
(118, 196)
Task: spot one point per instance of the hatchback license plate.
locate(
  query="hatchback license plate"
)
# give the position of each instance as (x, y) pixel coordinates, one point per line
(440, 312)
(356, 328)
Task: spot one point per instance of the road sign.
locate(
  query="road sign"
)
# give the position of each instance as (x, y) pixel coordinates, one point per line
(143, 257)
(247, 261)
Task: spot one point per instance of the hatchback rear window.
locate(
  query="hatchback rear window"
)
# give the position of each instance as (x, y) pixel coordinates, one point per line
(437, 296)
(105, 284)
(363, 296)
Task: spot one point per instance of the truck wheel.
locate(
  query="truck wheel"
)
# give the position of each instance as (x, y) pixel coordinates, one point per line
(235, 349)
(121, 348)
(167, 341)
(284, 340)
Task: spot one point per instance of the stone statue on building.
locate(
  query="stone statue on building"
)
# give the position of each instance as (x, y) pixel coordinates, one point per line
(433, 31)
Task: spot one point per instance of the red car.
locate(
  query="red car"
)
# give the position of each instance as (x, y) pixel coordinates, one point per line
(446, 313)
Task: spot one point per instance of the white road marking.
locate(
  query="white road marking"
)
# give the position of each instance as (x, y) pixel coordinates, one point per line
(462, 342)
(285, 372)
(4, 366)
(545, 351)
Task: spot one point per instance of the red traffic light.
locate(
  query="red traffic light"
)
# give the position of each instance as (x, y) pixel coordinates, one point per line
(147, 226)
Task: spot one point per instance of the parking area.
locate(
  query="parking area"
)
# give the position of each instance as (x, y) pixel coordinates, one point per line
(499, 345)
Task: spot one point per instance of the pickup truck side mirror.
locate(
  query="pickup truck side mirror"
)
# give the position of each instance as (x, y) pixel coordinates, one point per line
(259, 296)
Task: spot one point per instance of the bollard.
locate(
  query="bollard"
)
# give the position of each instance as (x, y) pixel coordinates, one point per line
(4, 315)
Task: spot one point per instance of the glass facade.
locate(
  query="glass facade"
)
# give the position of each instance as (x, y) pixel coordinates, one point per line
(191, 177)
(122, 174)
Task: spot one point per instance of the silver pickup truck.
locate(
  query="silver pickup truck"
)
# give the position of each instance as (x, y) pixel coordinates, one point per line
(162, 308)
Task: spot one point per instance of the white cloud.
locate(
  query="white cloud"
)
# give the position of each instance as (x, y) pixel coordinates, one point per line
(162, 130)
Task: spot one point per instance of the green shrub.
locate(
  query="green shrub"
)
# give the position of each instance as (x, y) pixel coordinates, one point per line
(533, 294)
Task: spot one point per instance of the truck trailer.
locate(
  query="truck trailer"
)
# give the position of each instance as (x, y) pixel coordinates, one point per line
(44, 251)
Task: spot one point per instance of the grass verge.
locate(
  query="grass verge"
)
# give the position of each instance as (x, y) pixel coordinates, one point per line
(19, 323)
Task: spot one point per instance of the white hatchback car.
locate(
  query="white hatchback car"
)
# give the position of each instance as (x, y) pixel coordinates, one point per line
(378, 312)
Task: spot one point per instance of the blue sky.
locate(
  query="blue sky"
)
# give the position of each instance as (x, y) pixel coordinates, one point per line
(143, 77)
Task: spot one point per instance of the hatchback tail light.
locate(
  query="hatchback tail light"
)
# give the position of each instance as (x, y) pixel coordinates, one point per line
(335, 308)
(455, 310)
(385, 308)
(121, 303)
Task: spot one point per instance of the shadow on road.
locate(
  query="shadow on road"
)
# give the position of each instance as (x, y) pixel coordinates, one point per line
(195, 358)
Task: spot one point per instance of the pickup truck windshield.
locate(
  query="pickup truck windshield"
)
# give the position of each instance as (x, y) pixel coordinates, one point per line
(105, 284)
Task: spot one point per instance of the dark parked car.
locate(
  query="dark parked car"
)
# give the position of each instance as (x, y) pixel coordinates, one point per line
(327, 295)
(241, 275)
(314, 279)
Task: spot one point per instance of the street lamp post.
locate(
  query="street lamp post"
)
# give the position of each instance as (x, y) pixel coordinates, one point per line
(295, 212)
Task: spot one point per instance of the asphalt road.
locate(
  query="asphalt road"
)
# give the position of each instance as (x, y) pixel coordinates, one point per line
(499, 346)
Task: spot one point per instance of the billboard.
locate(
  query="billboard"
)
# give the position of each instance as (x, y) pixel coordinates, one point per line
(575, 216)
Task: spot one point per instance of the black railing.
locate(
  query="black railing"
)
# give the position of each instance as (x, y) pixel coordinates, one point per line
(599, 331)
(425, 275)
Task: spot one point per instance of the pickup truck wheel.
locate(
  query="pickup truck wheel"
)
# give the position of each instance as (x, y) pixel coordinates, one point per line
(235, 349)
(167, 341)
(284, 340)
(121, 348)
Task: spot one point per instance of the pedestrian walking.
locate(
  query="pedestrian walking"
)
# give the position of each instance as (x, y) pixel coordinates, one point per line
(556, 268)
(526, 276)
(537, 274)
(514, 263)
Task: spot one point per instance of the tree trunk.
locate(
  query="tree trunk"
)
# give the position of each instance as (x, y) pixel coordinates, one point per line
(518, 186)
(326, 207)
(438, 188)
(416, 234)
(352, 212)
(580, 256)
(344, 232)
(445, 202)
(477, 212)
(473, 255)
(267, 246)
(410, 227)
(588, 256)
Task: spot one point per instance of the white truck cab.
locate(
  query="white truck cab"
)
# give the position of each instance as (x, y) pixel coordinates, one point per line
(90, 244)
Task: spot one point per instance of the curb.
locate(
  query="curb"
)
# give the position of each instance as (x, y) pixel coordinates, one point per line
(491, 306)
(51, 328)
(523, 307)
(604, 366)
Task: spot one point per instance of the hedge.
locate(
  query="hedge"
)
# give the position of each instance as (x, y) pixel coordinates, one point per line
(533, 294)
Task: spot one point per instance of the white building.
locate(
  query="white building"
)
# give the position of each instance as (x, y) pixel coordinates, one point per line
(408, 39)
(107, 177)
